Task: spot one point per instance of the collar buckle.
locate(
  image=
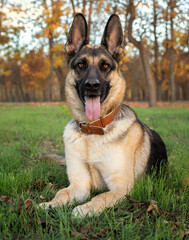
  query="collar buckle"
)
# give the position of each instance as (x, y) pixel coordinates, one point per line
(80, 125)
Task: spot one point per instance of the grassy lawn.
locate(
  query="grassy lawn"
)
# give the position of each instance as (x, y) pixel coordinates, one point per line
(28, 132)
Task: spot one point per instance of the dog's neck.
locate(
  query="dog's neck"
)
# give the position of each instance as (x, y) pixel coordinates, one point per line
(97, 126)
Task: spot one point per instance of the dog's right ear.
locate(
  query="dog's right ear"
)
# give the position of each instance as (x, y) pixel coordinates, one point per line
(77, 36)
(112, 38)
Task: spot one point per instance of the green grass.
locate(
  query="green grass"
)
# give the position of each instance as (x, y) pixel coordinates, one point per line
(28, 132)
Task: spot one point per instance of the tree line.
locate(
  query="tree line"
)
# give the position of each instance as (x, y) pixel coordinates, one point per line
(155, 63)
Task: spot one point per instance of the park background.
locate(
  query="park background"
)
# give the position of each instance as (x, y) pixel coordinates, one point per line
(33, 34)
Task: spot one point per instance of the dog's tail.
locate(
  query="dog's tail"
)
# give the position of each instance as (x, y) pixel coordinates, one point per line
(52, 158)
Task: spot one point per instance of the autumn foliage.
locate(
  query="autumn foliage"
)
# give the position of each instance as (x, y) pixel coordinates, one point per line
(32, 38)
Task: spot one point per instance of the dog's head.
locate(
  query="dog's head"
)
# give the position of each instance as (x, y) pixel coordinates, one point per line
(94, 85)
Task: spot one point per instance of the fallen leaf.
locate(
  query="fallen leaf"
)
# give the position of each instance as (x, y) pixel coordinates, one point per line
(5, 198)
(75, 234)
(29, 204)
(153, 207)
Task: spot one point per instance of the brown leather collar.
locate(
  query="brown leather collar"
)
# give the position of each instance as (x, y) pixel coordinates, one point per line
(96, 127)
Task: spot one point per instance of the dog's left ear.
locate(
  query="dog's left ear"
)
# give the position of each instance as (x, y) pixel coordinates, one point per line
(113, 36)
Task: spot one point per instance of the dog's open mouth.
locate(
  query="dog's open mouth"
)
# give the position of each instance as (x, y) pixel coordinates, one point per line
(92, 107)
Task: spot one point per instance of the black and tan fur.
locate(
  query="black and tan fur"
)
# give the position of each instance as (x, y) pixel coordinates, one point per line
(127, 149)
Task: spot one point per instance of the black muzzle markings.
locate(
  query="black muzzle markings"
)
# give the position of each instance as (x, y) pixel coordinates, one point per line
(91, 80)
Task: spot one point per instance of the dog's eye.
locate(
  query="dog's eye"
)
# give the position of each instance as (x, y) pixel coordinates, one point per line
(81, 65)
(105, 66)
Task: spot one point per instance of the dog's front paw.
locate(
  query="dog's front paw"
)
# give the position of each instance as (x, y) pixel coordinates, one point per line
(85, 210)
(61, 198)
(81, 211)
(47, 205)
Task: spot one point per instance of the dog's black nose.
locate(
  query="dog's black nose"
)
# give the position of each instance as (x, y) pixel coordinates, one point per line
(92, 84)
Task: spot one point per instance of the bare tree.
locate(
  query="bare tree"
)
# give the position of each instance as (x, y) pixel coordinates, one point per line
(89, 18)
(156, 49)
(143, 55)
(73, 6)
(172, 4)
(84, 6)
(51, 54)
(1, 6)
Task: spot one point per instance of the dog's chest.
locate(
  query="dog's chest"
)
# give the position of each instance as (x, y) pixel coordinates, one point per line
(93, 149)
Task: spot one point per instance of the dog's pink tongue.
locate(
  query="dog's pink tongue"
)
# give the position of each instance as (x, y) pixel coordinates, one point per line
(92, 108)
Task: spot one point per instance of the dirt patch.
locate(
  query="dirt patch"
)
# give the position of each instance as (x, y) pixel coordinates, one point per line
(48, 147)
(31, 104)
(159, 104)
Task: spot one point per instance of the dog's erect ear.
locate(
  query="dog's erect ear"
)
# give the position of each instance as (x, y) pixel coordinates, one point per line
(77, 36)
(113, 36)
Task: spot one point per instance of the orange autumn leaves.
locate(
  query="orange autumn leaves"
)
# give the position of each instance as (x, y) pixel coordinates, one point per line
(34, 70)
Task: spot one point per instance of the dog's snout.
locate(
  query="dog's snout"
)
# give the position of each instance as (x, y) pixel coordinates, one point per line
(92, 84)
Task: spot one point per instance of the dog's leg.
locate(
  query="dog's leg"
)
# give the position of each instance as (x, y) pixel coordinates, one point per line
(104, 200)
(99, 203)
(79, 189)
(67, 195)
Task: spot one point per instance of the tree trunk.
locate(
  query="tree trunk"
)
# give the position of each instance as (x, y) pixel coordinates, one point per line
(89, 19)
(134, 93)
(20, 85)
(1, 15)
(1, 93)
(185, 90)
(21, 89)
(178, 95)
(172, 78)
(84, 6)
(44, 96)
(165, 56)
(51, 59)
(73, 7)
(148, 75)
(61, 77)
(144, 57)
(6, 94)
(172, 54)
(51, 44)
(159, 91)
(16, 79)
(11, 92)
(156, 51)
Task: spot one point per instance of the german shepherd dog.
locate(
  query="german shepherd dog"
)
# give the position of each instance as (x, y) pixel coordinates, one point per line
(106, 146)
